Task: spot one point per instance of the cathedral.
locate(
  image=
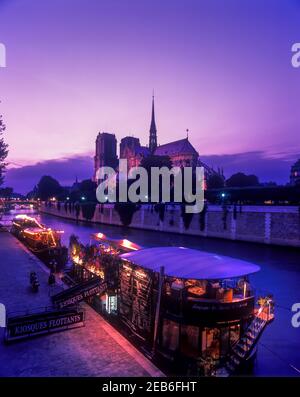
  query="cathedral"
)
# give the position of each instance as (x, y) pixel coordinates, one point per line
(181, 152)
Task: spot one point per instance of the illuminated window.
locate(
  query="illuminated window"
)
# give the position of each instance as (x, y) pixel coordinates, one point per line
(211, 343)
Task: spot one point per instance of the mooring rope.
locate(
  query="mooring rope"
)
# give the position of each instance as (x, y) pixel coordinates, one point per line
(280, 358)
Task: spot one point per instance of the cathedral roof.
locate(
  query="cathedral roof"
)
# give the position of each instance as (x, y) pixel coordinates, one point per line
(182, 146)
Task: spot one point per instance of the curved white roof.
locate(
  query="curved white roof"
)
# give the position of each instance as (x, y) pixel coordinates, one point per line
(189, 263)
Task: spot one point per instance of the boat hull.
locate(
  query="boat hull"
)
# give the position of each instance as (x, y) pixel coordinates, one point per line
(54, 257)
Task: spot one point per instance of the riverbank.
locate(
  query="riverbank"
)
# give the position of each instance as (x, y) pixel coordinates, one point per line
(94, 350)
(276, 225)
(279, 346)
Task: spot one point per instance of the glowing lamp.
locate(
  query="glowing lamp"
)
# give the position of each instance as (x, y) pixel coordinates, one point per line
(128, 244)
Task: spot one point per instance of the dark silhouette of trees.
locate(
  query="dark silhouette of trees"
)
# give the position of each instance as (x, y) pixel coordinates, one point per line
(215, 181)
(126, 212)
(48, 187)
(6, 192)
(88, 210)
(87, 189)
(87, 185)
(159, 162)
(241, 180)
(186, 217)
(255, 195)
(160, 209)
(3, 151)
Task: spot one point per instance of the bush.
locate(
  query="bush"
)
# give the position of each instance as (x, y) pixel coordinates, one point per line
(77, 210)
(160, 209)
(126, 211)
(88, 210)
(186, 217)
(202, 217)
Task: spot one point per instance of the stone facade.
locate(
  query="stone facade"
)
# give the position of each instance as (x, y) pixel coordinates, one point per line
(132, 151)
(261, 224)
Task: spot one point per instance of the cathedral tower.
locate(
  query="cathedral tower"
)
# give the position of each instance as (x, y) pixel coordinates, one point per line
(153, 131)
(106, 152)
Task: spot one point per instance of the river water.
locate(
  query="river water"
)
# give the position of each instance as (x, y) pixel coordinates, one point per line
(279, 347)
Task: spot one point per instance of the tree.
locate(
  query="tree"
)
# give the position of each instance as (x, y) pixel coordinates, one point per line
(83, 191)
(87, 185)
(6, 192)
(3, 151)
(186, 217)
(48, 187)
(33, 194)
(87, 189)
(88, 210)
(126, 212)
(159, 162)
(241, 180)
(215, 181)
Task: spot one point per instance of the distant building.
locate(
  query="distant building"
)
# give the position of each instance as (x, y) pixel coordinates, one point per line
(181, 152)
(131, 149)
(295, 173)
(106, 151)
(75, 187)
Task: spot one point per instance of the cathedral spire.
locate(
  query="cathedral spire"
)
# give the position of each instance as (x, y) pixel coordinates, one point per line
(153, 131)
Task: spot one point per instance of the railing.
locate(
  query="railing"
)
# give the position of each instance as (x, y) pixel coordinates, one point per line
(244, 347)
(194, 310)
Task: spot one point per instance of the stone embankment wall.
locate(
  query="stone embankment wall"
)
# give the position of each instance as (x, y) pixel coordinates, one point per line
(278, 225)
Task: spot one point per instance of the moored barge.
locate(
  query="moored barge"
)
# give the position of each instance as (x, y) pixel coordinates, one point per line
(42, 241)
(194, 311)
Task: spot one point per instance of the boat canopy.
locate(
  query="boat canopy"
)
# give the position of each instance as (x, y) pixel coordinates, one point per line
(188, 263)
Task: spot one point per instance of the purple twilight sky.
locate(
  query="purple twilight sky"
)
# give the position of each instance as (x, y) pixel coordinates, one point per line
(220, 68)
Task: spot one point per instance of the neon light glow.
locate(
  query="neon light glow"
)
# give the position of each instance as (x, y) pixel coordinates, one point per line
(128, 244)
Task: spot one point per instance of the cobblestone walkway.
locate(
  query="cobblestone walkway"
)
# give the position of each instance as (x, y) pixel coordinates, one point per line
(94, 350)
